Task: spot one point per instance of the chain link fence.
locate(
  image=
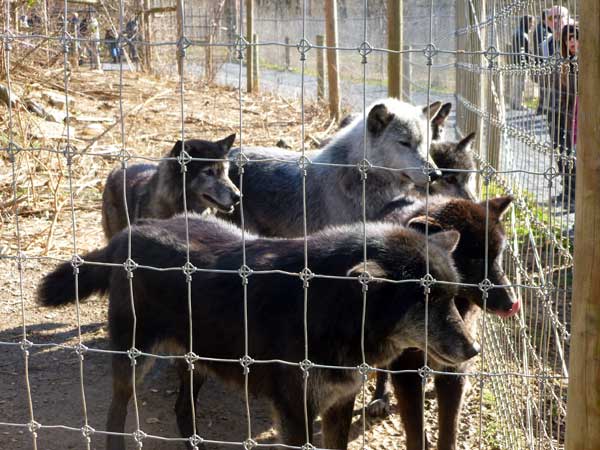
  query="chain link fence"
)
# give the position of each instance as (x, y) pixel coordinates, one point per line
(510, 69)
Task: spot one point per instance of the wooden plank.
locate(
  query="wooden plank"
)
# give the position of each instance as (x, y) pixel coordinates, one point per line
(394, 35)
(320, 40)
(332, 59)
(160, 9)
(583, 419)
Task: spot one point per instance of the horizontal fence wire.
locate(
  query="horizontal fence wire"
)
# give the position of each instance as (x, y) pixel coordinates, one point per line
(518, 98)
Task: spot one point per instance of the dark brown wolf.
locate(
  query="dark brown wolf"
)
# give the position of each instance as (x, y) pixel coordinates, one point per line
(455, 160)
(157, 190)
(395, 313)
(468, 218)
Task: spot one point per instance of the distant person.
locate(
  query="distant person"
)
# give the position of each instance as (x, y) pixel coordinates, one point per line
(132, 31)
(94, 42)
(520, 56)
(562, 114)
(110, 39)
(541, 51)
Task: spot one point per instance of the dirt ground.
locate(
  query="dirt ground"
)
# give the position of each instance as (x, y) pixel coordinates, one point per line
(152, 123)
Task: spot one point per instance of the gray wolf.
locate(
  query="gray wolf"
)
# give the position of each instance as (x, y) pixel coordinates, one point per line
(275, 311)
(157, 190)
(396, 138)
(468, 218)
(455, 160)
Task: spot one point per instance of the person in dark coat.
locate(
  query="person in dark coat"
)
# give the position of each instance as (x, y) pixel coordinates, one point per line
(543, 48)
(562, 112)
(520, 56)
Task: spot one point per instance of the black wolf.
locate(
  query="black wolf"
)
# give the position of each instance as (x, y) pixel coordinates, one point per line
(157, 190)
(468, 218)
(455, 160)
(275, 309)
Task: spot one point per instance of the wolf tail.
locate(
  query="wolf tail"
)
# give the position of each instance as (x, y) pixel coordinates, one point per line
(58, 287)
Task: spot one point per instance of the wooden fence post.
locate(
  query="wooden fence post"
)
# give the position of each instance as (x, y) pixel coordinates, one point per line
(320, 68)
(249, 50)
(332, 59)
(287, 53)
(407, 74)
(583, 419)
(146, 27)
(394, 34)
(255, 66)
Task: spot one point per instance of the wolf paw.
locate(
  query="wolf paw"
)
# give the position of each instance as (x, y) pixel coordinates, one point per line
(379, 407)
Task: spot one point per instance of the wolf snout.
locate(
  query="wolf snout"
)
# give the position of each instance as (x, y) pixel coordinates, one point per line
(235, 198)
(435, 175)
(473, 350)
(511, 310)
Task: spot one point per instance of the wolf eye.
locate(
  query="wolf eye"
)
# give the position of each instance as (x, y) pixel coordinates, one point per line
(210, 172)
(404, 143)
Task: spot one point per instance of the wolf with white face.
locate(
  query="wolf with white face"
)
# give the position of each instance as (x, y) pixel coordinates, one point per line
(391, 135)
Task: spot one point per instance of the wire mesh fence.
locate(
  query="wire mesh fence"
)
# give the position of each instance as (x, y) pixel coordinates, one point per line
(509, 67)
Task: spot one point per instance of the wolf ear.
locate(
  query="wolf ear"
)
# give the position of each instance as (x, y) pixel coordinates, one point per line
(431, 111)
(499, 205)
(448, 240)
(379, 118)
(374, 269)
(465, 142)
(442, 114)
(420, 223)
(176, 150)
(227, 143)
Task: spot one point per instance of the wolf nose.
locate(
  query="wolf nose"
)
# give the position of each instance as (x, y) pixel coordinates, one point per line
(235, 198)
(474, 350)
(435, 175)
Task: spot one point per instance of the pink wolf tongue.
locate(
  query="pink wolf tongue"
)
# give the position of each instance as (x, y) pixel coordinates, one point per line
(516, 306)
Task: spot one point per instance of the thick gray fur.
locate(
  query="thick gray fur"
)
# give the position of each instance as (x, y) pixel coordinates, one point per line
(396, 135)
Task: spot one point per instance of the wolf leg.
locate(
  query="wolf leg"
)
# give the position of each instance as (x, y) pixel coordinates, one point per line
(122, 391)
(183, 405)
(379, 406)
(450, 390)
(336, 424)
(408, 389)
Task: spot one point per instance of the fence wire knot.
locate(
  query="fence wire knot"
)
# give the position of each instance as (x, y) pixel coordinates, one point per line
(550, 174)
(249, 444)
(363, 167)
(25, 345)
(133, 354)
(485, 286)
(427, 281)
(188, 270)
(190, 359)
(195, 441)
(138, 437)
(184, 159)
(303, 163)
(12, 150)
(308, 446)
(491, 54)
(429, 51)
(428, 169)
(241, 160)
(244, 272)
(246, 361)
(182, 45)
(240, 45)
(76, 262)
(306, 275)
(33, 426)
(424, 372)
(66, 41)
(364, 278)
(547, 290)
(303, 48)
(130, 265)
(364, 369)
(364, 49)
(305, 366)
(80, 350)
(488, 173)
(87, 431)
(69, 152)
